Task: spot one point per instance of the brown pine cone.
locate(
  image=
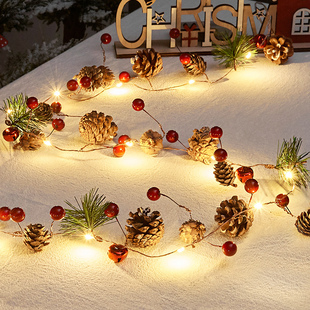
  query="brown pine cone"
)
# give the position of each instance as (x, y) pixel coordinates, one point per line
(202, 146)
(192, 231)
(100, 76)
(97, 128)
(303, 223)
(44, 112)
(197, 66)
(278, 49)
(147, 63)
(151, 142)
(238, 225)
(224, 173)
(36, 237)
(30, 141)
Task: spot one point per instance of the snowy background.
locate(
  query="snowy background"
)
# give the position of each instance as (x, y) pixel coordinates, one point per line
(257, 107)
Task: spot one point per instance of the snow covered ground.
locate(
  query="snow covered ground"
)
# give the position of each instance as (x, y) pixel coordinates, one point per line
(256, 106)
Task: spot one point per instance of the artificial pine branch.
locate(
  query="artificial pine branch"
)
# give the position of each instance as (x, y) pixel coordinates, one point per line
(20, 115)
(288, 159)
(87, 215)
(234, 53)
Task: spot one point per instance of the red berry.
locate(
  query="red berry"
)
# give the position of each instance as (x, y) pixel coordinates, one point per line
(72, 85)
(138, 104)
(174, 33)
(185, 59)
(17, 215)
(124, 77)
(244, 174)
(117, 252)
(172, 136)
(10, 134)
(216, 132)
(57, 213)
(260, 40)
(32, 102)
(5, 214)
(251, 186)
(112, 210)
(58, 124)
(123, 139)
(56, 107)
(153, 193)
(106, 38)
(119, 150)
(85, 82)
(220, 155)
(282, 200)
(229, 248)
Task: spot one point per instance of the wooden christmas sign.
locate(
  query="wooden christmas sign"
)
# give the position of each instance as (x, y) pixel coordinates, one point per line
(286, 17)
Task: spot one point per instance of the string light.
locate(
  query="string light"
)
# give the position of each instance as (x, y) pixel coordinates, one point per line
(9, 111)
(129, 143)
(57, 93)
(212, 157)
(120, 84)
(89, 236)
(288, 174)
(258, 206)
(248, 55)
(47, 142)
(181, 250)
(191, 81)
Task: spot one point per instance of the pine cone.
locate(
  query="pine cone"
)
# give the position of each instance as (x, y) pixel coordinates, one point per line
(36, 237)
(147, 63)
(97, 128)
(278, 49)
(151, 142)
(303, 223)
(192, 231)
(44, 112)
(101, 76)
(30, 141)
(145, 230)
(240, 224)
(202, 146)
(197, 66)
(224, 173)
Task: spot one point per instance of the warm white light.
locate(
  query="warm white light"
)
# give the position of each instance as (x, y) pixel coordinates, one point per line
(89, 237)
(181, 250)
(57, 93)
(47, 142)
(212, 157)
(258, 206)
(288, 174)
(119, 84)
(129, 143)
(9, 111)
(191, 81)
(248, 55)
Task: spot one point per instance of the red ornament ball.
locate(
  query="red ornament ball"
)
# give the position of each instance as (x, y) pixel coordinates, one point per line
(58, 124)
(220, 155)
(244, 174)
(72, 85)
(85, 82)
(123, 139)
(106, 38)
(5, 213)
(117, 252)
(172, 136)
(138, 104)
(32, 103)
(185, 59)
(174, 33)
(251, 186)
(124, 77)
(216, 132)
(56, 107)
(17, 215)
(112, 210)
(119, 150)
(10, 134)
(229, 248)
(57, 213)
(260, 40)
(153, 193)
(282, 200)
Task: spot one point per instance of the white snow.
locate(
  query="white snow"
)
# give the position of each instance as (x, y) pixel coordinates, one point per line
(256, 106)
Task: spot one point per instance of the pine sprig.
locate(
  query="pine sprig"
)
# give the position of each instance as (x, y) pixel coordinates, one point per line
(87, 215)
(288, 159)
(20, 116)
(235, 53)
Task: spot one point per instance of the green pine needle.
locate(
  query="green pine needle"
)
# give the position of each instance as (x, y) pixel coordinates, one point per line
(87, 215)
(20, 115)
(234, 53)
(288, 159)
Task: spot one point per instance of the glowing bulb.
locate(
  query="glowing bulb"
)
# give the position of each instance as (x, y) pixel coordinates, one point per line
(88, 237)
(119, 84)
(9, 111)
(258, 206)
(288, 174)
(212, 157)
(47, 142)
(248, 55)
(191, 81)
(57, 93)
(129, 143)
(181, 250)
